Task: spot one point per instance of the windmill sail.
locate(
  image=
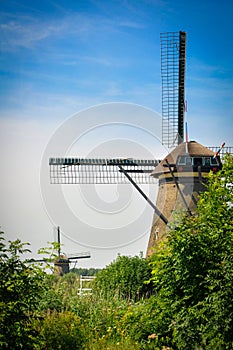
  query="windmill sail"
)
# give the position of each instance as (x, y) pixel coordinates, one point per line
(173, 62)
(100, 171)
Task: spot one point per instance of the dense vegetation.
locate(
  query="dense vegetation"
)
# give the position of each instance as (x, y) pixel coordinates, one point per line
(84, 271)
(179, 299)
(125, 279)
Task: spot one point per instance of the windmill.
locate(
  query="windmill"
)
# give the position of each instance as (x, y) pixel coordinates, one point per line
(62, 261)
(194, 159)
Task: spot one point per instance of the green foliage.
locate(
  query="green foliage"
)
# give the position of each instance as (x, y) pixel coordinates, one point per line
(85, 272)
(20, 289)
(63, 330)
(61, 293)
(50, 255)
(193, 271)
(189, 307)
(124, 278)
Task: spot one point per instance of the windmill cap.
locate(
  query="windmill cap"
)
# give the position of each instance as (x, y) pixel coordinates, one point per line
(195, 149)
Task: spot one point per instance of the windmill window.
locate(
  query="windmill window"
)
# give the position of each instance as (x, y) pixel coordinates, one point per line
(214, 161)
(207, 161)
(197, 161)
(182, 160)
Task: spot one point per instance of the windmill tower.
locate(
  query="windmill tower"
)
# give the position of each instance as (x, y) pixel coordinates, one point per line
(182, 176)
(182, 173)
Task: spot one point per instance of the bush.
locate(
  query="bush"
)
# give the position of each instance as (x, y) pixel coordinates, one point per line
(193, 270)
(21, 288)
(61, 293)
(125, 279)
(61, 331)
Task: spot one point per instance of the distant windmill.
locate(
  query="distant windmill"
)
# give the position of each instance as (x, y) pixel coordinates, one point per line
(191, 159)
(62, 262)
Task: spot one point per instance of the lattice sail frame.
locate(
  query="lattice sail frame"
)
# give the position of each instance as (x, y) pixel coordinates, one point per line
(106, 171)
(224, 150)
(100, 171)
(173, 63)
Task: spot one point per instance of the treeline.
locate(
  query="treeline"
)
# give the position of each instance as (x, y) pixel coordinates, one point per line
(179, 299)
(84, 271)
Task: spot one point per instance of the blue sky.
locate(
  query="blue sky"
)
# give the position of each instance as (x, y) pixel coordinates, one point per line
(60, 57)
(78, 53)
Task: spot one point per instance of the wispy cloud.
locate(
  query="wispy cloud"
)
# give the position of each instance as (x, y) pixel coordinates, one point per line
(131, 24)
(26, 31)
(87, 59)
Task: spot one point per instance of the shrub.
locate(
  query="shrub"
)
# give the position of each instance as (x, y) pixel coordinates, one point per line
(124, 278)
(193, 271)
(21, 287)
(61, 330)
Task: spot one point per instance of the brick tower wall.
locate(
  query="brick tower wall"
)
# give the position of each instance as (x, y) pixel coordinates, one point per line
(170, 203)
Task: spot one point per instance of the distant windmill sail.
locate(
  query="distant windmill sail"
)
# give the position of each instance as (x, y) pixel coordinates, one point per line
(173, 63)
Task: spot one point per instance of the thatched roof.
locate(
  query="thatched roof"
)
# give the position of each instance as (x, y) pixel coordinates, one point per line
(195, 149)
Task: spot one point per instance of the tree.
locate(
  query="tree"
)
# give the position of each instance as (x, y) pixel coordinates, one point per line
(193, 271)
(20, 289)
(124, 278)
(85, 271)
